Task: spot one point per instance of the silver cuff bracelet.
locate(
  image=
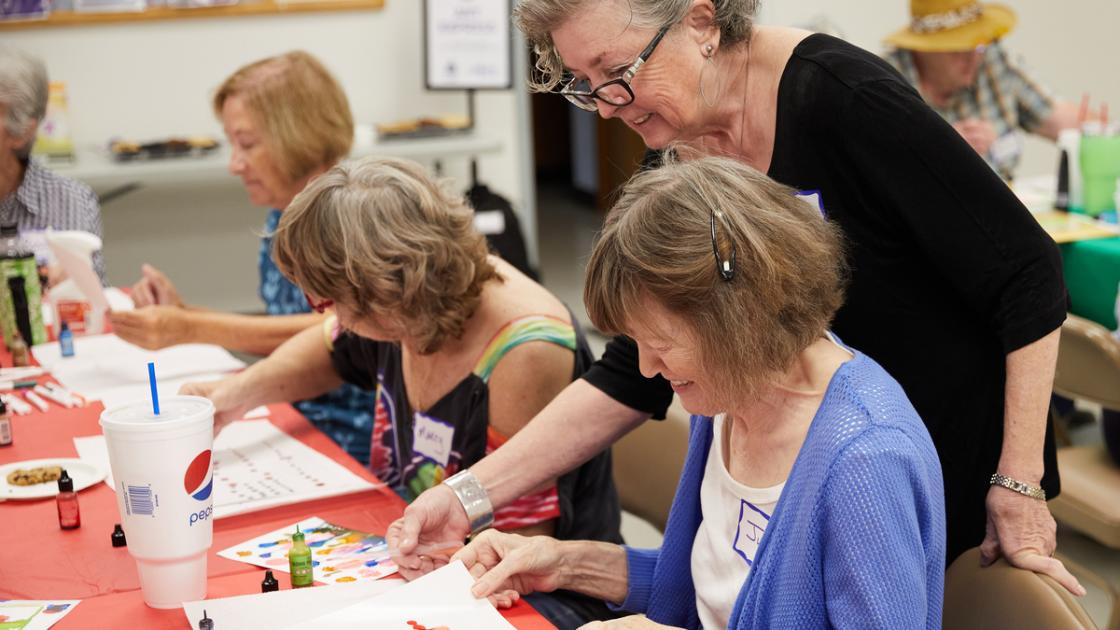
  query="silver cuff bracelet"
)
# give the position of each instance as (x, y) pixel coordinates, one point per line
(473, 497)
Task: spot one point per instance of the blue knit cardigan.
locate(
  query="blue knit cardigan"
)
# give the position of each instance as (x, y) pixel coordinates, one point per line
(857, 539)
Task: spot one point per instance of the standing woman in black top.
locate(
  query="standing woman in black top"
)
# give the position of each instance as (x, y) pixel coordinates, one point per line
(956, 290)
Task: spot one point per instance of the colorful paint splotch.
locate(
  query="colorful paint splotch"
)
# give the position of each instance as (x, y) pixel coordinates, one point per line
(339, 554)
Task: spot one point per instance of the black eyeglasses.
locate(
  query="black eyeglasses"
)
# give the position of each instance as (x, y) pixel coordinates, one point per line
(726, 266)
(616, 92)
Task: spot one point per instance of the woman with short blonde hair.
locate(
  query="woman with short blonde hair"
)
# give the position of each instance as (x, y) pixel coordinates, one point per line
(287, 121)
(415, 261)
(301, 109)
(747, 330)
(461, 348)
(811, 492)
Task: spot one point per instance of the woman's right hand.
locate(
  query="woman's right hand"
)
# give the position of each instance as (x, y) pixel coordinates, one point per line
(154, 288)
(229, 405)
(507, 566)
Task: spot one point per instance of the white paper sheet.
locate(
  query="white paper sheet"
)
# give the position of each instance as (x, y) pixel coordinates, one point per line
(104, 363)
(115, 396)
(38, 614)
(271, 611)
(441, 598)
(257, 466)
(92, 449)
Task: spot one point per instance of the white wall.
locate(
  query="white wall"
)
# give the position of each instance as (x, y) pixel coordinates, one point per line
(1069, 46)
(152, 80)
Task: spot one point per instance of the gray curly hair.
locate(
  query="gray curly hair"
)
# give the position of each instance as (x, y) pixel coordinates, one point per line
(23, 93)
(538, 18)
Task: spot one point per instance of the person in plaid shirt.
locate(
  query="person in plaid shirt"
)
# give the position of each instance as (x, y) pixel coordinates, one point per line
(952, 55)
(33, 197)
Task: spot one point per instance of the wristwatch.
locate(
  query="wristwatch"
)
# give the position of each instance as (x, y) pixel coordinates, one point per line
(1033, 492)
(472, 495)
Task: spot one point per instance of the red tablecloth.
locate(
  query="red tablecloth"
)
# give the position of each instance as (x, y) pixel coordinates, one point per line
(40, 561)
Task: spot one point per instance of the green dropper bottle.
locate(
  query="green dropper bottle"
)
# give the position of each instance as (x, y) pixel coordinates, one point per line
(299, 561)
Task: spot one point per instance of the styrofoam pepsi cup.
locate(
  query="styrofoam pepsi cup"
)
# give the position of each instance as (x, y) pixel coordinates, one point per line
(162, 472)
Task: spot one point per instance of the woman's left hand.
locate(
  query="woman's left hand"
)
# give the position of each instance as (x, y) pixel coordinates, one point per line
(633, 622)
(151, 327)
(506, 566)
(1022, 530)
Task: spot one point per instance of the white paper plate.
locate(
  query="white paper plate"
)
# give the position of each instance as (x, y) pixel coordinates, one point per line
(83, 473)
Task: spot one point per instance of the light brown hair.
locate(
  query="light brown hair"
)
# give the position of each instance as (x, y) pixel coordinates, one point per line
(538, 18)
(789, 276)
(300, 107)
(383, 239)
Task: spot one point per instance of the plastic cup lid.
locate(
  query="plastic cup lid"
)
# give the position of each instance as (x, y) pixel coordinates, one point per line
(139, 413)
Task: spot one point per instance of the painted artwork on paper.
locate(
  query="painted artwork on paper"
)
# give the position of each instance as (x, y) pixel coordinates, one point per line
(339, 554)
(18, 614)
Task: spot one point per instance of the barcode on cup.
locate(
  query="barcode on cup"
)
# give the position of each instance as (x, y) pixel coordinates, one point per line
(140, 501)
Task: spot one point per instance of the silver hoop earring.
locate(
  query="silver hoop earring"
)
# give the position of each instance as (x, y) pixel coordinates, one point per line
(708, 62)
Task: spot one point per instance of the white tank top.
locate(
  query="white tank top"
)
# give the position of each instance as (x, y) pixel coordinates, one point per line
(735, 517)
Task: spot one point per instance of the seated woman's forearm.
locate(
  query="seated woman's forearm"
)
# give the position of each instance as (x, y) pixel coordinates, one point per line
(582, 418)
(299, 369)
(255, 334)
(596, 569)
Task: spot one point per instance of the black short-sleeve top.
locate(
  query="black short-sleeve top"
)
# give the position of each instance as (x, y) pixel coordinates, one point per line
(950, 273)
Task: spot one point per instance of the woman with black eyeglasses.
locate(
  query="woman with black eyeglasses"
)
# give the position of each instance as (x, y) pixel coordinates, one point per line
(955, 289)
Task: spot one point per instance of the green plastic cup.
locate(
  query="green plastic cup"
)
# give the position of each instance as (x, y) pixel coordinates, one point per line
(1100, 166)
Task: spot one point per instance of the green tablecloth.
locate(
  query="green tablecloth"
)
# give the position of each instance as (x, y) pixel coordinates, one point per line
(1092, 270)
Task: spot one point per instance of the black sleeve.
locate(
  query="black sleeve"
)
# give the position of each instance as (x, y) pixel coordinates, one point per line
(961, 215)
(355, 360)
(617, 375)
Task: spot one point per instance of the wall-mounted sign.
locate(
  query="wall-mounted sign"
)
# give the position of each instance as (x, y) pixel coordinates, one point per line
(468, 44)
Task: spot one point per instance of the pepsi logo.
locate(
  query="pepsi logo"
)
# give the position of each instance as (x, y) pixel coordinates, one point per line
(198, 481)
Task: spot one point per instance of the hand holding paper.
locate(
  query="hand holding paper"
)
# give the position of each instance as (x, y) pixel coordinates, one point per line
(508, 565)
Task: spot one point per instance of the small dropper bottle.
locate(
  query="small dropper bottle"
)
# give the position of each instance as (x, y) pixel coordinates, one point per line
(299, 561)
(67, 499)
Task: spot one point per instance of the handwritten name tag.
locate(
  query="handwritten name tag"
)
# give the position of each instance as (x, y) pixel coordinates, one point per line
(432, 438)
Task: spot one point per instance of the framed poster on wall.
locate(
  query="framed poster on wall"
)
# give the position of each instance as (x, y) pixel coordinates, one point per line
(468, 45)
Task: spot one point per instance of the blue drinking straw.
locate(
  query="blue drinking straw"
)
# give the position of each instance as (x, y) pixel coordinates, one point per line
(152, 382)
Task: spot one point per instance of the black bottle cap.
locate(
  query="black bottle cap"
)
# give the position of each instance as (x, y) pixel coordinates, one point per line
(65, 483)
(269, 584)
(118, 536)
(205, 623)
(65, 327)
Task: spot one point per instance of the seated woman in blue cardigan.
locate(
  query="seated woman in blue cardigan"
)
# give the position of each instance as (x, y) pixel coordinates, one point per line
(811, 495)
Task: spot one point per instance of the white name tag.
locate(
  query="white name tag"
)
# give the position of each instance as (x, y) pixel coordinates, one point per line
(813, 198)
(489, 222)
(432, 438)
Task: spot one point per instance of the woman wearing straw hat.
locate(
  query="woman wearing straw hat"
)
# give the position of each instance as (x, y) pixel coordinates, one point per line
(951, 53)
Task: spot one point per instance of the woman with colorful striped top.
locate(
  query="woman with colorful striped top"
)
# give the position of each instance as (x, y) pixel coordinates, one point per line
(461, 348)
